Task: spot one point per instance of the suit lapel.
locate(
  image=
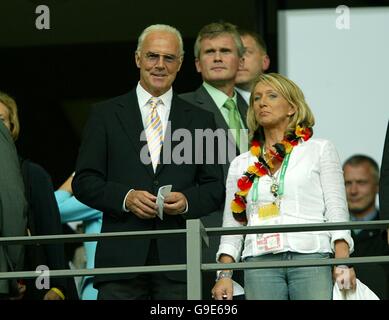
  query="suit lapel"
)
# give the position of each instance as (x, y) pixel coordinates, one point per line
(242, 107)
(205, 101)
(130, 118)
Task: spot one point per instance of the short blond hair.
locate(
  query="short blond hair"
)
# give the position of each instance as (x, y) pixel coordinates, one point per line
(292, 93)
(12, 108)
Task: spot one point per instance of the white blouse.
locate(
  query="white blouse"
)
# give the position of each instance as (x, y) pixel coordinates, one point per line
(314, 192)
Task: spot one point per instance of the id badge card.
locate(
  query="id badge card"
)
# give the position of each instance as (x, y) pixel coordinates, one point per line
(268, 211)
(269, 242)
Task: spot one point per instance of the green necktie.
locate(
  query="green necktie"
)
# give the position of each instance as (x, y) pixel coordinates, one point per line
(233, 119)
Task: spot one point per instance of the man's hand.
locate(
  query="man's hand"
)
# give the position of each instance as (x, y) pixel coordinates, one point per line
(142, 204)
(175, 203)
(222, 290)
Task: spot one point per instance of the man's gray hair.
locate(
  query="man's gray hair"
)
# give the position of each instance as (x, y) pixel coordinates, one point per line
(161, 27)
(217, 29)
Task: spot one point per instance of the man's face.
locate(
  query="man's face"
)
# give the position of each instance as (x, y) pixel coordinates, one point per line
(159, 61)
(255, 62)
(218, 60)
(361, 188)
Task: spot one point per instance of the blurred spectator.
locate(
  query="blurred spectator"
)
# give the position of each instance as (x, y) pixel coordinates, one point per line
(42, 215)
(255, 62)
(361, 178)
(12, 209)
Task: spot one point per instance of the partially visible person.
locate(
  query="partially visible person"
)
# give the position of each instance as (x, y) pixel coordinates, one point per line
(255, 62)
(73, 210)
(12, 209)
(42, 215)
(288, 178)
(122, 163)
(361, 175)
(384, 182)
(218, 54)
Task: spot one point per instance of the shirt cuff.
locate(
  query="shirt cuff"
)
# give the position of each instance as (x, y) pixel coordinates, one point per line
(342, 235)
(186, 208)
(124, 201)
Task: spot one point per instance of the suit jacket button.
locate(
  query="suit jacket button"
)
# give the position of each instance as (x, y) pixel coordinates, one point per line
(156, 182)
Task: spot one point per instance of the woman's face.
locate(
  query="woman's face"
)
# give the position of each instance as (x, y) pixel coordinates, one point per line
(4, 116)
(271, 108)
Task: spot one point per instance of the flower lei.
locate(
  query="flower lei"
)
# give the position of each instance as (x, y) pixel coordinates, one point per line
(263, 167)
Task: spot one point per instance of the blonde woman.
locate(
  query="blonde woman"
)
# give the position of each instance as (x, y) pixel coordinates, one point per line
(287, 177)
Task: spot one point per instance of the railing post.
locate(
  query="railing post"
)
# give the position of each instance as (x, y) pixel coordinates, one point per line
(193, 258)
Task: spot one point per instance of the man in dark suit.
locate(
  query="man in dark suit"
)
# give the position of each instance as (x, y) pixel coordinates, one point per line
(384, 182)
(12, 210)
(218, 54)
(115, 175)
(361, 175)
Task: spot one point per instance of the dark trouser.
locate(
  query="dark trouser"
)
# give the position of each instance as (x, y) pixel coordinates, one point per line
(147, 286)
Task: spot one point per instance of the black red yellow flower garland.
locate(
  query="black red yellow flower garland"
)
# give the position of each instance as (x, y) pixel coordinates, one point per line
(263, 167)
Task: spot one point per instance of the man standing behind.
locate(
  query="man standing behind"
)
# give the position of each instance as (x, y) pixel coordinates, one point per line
(113, 176)
(361, 178)
(218, 54)
(255, 62)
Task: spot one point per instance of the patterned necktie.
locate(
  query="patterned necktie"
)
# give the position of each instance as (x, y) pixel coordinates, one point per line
(154, 131)
(233, 119)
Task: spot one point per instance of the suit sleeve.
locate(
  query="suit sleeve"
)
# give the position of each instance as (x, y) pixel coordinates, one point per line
(90, 185)
(208, 195)
(384, 180)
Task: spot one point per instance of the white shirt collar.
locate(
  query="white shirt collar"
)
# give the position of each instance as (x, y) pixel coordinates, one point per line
(144, 96)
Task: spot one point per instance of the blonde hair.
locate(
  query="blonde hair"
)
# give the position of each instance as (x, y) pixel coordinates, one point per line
(303, 115)
(12, 108)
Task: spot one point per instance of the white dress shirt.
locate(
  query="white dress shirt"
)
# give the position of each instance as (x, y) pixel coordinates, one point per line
(245, 94)
(314, 192)
(162, 109)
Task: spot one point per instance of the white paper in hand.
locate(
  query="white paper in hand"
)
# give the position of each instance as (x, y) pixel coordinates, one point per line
(163, 192)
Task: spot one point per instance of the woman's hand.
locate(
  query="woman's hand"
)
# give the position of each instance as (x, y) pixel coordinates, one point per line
(222, 290)
(345, 277)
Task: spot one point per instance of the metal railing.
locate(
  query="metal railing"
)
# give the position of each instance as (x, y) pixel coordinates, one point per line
(196, 234)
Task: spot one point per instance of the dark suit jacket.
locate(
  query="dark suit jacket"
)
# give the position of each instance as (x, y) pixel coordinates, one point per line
(109, 165)
(384, 180)
(12, 207)
(201, 98)
(375, 276)
(43, 219)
